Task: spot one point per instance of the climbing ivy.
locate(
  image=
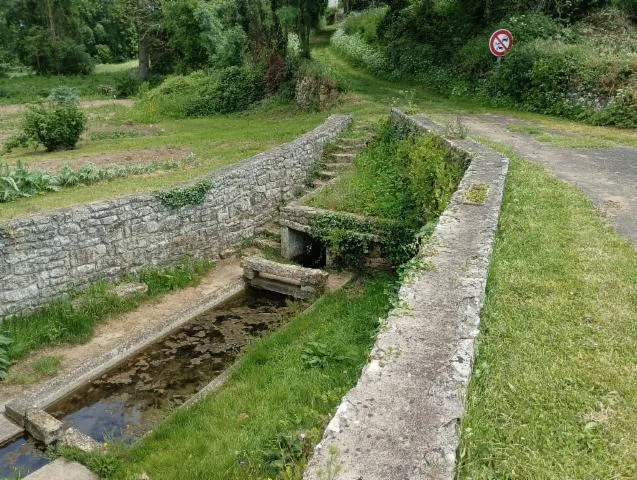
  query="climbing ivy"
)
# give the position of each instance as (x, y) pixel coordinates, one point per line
(349, 239)
(182, 196)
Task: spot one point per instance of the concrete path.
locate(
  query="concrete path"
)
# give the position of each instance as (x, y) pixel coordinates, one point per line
(607, 176)
(62, 469)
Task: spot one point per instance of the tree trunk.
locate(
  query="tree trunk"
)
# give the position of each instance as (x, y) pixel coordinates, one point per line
(144, 59)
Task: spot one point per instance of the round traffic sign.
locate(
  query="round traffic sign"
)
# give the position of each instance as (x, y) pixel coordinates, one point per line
(501, 42)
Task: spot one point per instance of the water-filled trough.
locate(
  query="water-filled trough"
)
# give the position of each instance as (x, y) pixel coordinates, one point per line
(127, 400)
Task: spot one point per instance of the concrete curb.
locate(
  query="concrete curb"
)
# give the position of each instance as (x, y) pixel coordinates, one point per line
(401, 421)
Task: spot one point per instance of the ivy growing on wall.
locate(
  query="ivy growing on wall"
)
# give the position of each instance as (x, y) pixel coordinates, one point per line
(182, 196)
(349, 239)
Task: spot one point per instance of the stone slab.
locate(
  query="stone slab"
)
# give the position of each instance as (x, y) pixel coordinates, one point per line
(61, 469)
(401, 421)
(72, 437)
(8, 430)
(42, 426)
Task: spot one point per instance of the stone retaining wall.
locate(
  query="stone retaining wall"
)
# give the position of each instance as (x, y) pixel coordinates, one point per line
(45, 257)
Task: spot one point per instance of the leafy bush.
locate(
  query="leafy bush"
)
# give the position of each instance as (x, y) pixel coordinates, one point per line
(316, 86)
(55, 55)
(181, 196)
(127, 85)
(104, 54)
(232, 89)
(64, 94)
(433, 170)
(56, 127)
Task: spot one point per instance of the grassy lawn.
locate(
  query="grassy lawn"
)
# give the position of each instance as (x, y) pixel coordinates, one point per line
(268, 416)
(33, 88)
(554, 394)
(216, 141)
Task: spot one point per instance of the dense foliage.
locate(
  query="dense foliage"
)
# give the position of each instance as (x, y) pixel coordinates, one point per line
(399, 184)
(571, 58)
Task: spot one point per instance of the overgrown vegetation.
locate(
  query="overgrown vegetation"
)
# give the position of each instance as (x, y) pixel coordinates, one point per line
(552, 395)
(73, 319)
(181, 196)
(560, 64)
(271, 433)
(400, 184)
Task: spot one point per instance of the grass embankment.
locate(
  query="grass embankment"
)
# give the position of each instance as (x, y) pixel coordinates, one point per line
(266, 419)
(73, 319)
(554, 393)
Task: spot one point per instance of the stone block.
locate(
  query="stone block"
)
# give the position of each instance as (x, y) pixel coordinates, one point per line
(42, 426)
(74, 438)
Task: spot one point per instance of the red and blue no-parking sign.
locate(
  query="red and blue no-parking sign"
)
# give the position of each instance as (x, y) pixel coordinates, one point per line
(501, 42)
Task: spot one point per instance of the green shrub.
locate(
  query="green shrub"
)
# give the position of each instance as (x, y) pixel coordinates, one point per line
(230, 90)
(355, 49)
(433, 170)
(55, 55)
(127, 84)
(181, 196)
(104, 54)
(56, 127)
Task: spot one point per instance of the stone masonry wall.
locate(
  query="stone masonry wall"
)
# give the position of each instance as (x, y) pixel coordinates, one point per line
(45, 257)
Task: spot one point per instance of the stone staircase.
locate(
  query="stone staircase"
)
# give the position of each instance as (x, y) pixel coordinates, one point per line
(336, 160)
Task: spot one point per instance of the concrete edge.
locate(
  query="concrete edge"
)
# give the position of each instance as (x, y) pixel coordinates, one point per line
(429, 452)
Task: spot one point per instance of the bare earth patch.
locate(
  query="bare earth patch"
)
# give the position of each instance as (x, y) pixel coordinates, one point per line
(130, 157)
(111, 333)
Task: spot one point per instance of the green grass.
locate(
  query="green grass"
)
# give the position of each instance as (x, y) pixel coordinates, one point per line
(554, 393)
(528, 129)
(44, 367)
(73, 319)
(34, 88)
(567, 140)
(574, 141)
(276, 404)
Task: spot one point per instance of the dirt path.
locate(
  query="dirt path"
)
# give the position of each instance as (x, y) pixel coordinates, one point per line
(111, 333)
(607, 176)
(125, 102)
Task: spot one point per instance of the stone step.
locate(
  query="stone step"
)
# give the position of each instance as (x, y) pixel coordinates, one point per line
(344, 157)
(272, 229)
(352, 142)
(327, 175)
(267, 243)
(318, 183)
(337, 166)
